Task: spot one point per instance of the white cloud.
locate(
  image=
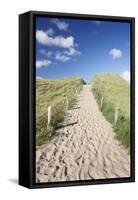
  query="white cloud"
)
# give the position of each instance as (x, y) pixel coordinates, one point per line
(42, 63)
(115, 53)
(61, 57)
(60, 25)
(64, 56)
(49, 53)
(72, 52)
(126, 75)
(39, 77)
(50, 32)
(97, 22)
(59, 41)
(46, 53)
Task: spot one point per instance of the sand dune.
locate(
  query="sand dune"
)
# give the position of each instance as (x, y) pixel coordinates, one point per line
(83, 148)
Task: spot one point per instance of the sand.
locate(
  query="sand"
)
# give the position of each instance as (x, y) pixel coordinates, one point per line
(83, 148)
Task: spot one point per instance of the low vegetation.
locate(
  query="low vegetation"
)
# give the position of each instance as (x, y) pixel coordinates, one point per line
(116, 93)
(53, 93)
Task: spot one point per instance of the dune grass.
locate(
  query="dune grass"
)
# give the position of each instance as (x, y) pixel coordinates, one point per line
(53, 93)
(116, 93)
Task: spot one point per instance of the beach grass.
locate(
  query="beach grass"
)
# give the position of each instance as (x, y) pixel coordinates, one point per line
(53, 93)
(116, 94)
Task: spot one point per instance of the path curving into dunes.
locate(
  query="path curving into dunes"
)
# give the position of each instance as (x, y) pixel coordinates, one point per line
(84, 148)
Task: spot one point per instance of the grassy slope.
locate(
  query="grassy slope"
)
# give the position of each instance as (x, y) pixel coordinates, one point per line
(52, 93)
(116, 92)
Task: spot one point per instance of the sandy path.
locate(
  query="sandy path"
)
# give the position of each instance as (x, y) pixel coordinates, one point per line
(85, 150)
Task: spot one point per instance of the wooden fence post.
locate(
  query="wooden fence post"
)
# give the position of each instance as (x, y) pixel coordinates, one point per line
(116, 115)
(101, 105)
(94, 94)
(49, 116)
(67, 103)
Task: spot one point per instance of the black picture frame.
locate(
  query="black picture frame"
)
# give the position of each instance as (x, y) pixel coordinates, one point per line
(27, 99)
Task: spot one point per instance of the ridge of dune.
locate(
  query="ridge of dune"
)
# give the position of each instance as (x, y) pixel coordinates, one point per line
(83, 148)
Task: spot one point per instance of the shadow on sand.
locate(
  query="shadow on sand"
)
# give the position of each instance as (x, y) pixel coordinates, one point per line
(62, 126)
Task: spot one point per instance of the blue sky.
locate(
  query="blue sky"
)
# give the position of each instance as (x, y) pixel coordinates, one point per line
(72, 47)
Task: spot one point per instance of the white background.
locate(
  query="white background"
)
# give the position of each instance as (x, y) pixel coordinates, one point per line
(9, 10)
